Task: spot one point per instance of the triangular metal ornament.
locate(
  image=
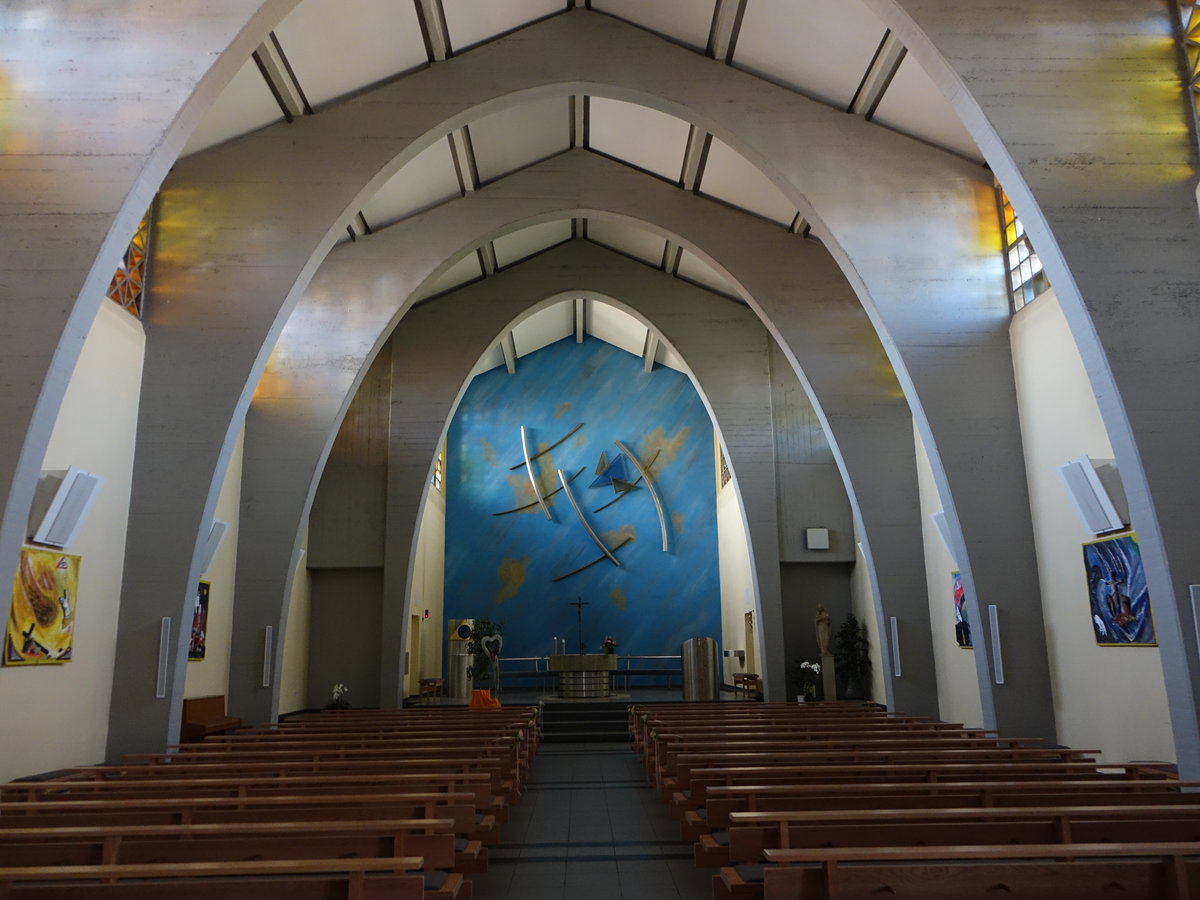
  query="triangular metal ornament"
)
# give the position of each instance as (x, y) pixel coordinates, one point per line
(622, 486)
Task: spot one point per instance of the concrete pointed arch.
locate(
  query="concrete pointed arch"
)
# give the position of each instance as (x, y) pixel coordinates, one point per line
(1102, 172)
(235, 258)
(295, 413)
(73, 196)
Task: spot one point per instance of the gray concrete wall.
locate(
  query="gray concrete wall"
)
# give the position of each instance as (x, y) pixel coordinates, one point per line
(811, 492)
(866, 414)
(1092, 137)
(78, 174)
(344, 648)
(347, 523)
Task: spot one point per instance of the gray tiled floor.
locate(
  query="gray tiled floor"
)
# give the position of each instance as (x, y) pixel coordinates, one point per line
(590, 827)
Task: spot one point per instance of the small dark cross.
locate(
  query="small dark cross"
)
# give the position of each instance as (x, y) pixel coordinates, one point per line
(579, 604)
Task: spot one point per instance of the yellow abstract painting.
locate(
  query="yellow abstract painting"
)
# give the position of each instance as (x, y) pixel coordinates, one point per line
(41, 626)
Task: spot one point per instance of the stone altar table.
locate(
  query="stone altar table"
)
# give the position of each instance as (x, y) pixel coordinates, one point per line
(583, 676)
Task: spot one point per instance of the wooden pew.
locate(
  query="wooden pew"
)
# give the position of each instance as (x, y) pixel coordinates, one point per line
(752, 833)
(203, 716)
(495, 766)
(1134, 871)
(321, 879)
(431, 839)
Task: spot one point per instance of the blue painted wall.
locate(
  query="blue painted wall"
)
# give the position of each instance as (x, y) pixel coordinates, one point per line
(501, 567)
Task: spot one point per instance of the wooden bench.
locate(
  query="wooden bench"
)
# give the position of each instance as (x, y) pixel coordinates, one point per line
(320, 879)
(1133, 871)
(203, 716)
(752, 833)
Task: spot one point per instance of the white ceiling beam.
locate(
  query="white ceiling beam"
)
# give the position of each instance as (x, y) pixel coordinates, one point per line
(580, 109)
(649, 350)
(508, 346)
(433, 29)
(280, 78)
(580, 319)
(487, 259)
(671, 255)
(726, 23)
(464, 160)
(693, 157)
(878, 76)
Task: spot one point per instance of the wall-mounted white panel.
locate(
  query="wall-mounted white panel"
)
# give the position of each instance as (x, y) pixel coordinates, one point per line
(465, 270)
(731, 177)
(639, 243)
(518, 137)
(640, 136)
(427, 180)
(245, 105)
(545, 327)
(616, 327)
(471, 22)
(695, 269)
(333, 52)
(686, 21)
(531, 240)
(820, 48)
(913, 104)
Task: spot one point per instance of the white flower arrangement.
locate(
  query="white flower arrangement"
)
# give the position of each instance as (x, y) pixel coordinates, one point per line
(339, 700)
(808, 682)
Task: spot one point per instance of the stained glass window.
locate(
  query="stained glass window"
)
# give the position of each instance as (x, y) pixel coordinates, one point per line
(1026, 275)
(128, 287)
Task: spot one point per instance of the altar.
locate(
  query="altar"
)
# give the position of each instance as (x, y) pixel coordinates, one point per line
(583, 676)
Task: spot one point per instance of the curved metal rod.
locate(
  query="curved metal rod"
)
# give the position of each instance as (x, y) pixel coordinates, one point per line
(547, 450)
(583, 521)
(532, 479)
(623, 493)
(588, 565)
(517, 509)
(662, 519)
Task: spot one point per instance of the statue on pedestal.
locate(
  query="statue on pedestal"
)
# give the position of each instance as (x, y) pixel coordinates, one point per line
(823, 628)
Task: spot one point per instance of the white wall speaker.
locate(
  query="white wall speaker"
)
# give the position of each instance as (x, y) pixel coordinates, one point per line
(1094, 487)
(61, 504)
(268, 654)
(943, 529)
(895, 628)
(997, 656)
(212, 544)
(164, 656)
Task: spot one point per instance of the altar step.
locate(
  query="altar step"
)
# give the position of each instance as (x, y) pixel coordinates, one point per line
(591, 721)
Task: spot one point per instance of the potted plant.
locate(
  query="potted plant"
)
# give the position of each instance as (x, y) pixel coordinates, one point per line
(608, 645)
(807, 677)
(852, 660)
(483, 647)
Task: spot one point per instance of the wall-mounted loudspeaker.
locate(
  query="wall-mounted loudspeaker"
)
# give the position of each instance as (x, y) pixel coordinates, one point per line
(1094, 486)
(60, 505)
(212, 544)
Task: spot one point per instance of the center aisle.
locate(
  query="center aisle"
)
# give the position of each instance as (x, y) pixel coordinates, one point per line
(590, 827)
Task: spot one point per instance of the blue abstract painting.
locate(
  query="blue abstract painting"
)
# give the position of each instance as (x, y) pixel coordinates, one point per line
(1120, 602)
(502, 553)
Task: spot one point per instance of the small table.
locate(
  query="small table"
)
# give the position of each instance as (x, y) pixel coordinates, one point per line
(583, 676)
(745, 682)
(430, 687)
